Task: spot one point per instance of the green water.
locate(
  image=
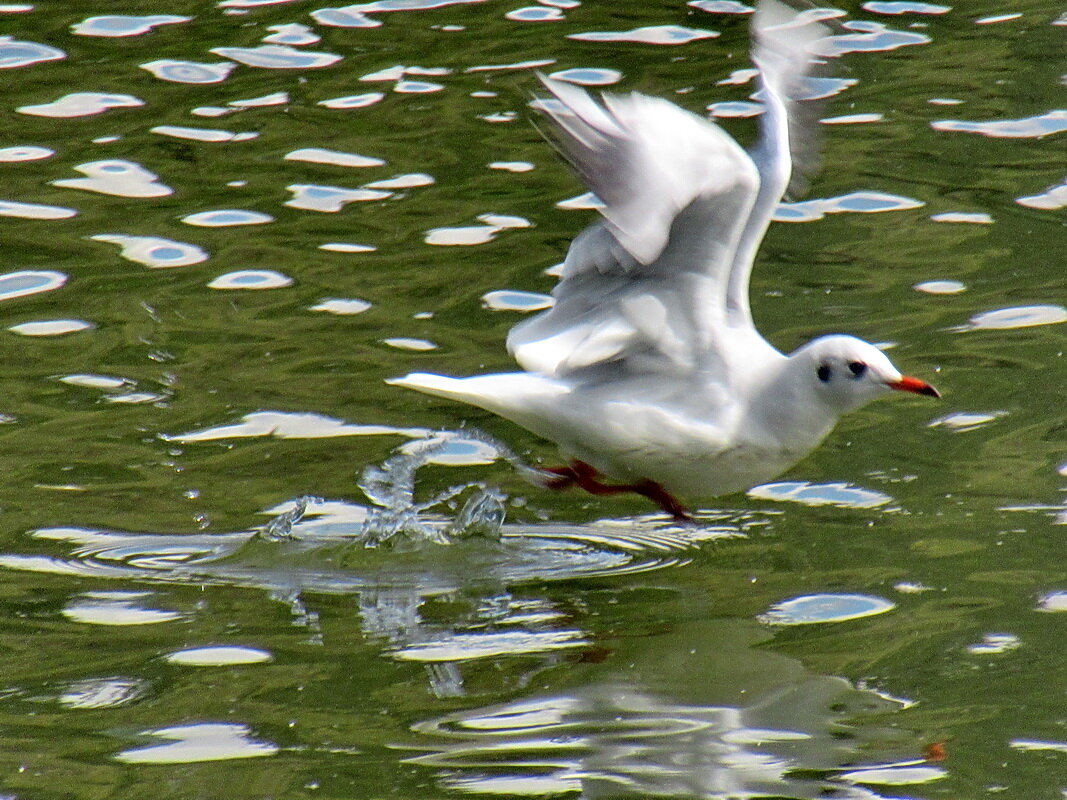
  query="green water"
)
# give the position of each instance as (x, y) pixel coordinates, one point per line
(576, 655)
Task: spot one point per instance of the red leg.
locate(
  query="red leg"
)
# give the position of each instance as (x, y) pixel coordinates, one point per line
(586, 477)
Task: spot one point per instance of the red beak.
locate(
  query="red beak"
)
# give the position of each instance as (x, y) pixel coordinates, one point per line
(914, 385)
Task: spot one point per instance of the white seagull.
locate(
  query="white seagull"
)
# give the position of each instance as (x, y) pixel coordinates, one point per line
(648, 369)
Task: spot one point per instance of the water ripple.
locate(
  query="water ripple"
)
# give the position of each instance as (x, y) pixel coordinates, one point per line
(26, 282)
(909, 7)
(1053, 198)
(588, 76)
(255, 279)
(198, 742)
(227, 217)
(329, 199)
(721, 6)
(201, 134)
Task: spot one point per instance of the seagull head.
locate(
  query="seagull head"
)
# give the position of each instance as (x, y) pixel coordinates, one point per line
(846, 372)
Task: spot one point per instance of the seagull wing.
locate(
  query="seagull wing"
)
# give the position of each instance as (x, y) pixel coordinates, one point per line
(787, 149)
(644, 289)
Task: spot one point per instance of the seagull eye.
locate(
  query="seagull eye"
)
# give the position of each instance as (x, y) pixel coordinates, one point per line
(824, 372)
(857, 368)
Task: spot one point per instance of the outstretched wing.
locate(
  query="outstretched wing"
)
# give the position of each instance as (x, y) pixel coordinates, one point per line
(644, 288)
(661, 280)
(787, 150)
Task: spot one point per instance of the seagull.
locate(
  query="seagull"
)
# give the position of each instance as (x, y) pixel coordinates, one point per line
(648, 370)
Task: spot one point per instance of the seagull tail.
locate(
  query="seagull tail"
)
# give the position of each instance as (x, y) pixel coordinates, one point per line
(508, 394)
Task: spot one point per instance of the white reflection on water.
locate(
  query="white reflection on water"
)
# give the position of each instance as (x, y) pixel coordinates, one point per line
(864, 202)
(226, 217)
(198, 742)
(329, 199)
(721, 6)
(218, 656)
(319, 155)
(117, 177)
(202, 134)
(123, 25)
(277, 56)
(116, 608)
(353, 101)
(535, 14)
(1053, 198)
(470, 235)
(1035, 127)
(27, 282)
(189, 71)
(81, 104)
(15, 53)
(255, 279)
(50, 327)
(25, 153)
(154, 251)
(588, 76)
(293, 34)
(819, 609)
(1017, 317)
(652, 34)
(907, 7)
